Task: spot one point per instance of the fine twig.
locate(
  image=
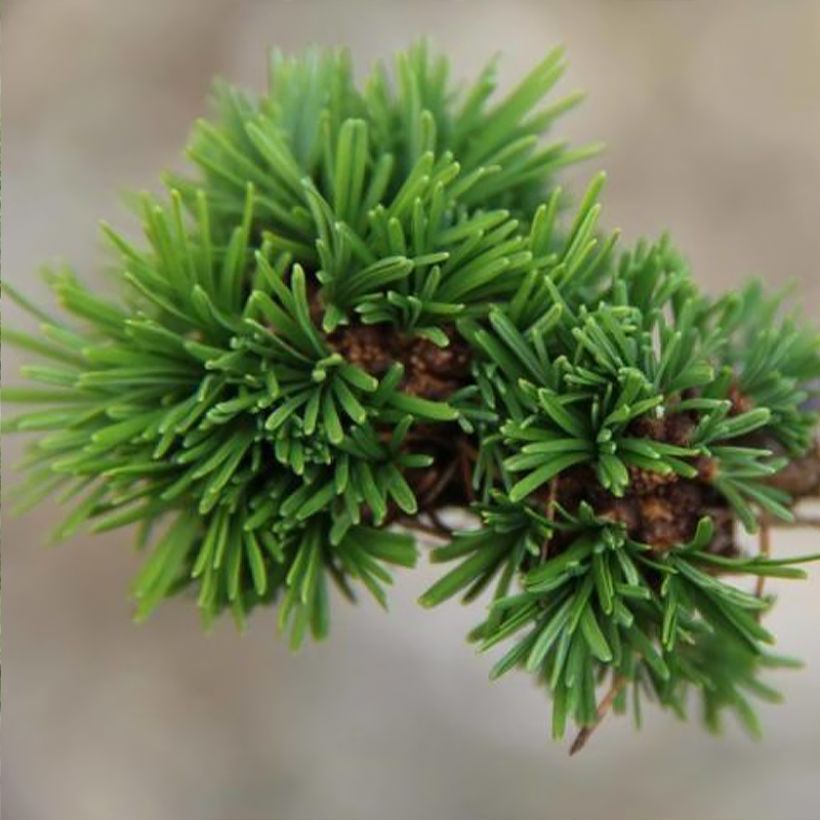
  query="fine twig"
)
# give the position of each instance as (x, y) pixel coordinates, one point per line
(435, 531)
(765, 550)
(604, 706)
(467, 457)
(432, 495)
(441, 527)
(799, 522)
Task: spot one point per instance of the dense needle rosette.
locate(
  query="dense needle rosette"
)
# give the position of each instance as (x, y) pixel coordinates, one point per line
(369, 303)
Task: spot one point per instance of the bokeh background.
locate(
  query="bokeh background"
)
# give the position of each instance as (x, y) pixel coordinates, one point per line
(712, 116)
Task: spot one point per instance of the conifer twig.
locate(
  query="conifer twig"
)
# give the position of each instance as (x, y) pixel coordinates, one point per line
(432, 495)
(434, 530)
(765, 551)
(799, 522)
(441, 527)
(583, 736)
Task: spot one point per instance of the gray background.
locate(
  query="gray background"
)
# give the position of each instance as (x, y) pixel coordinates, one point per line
(712, 116)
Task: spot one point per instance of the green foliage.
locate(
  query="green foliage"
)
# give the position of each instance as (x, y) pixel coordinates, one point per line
(605, 604)
(178, 404)
(405, 198)
(776, 364)
(617, 422)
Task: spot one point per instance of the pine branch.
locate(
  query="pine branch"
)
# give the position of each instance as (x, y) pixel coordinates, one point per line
(369, 304)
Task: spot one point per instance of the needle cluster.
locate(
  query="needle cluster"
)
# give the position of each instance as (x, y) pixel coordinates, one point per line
(371, 303)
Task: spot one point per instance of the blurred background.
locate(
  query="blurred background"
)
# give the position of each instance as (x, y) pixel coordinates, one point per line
(711, 112)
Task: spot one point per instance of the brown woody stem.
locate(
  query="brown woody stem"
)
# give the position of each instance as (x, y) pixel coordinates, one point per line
(604, 706)
(434, 530)
(798, 523)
